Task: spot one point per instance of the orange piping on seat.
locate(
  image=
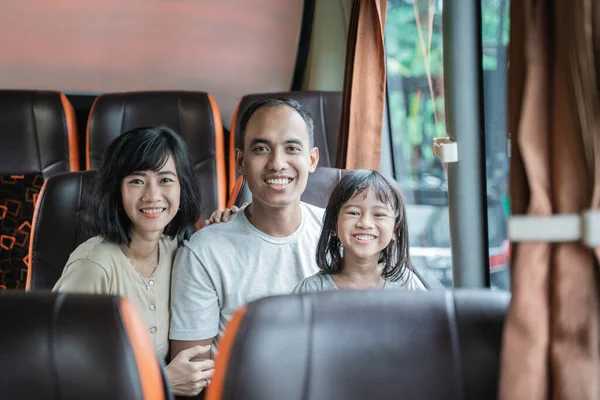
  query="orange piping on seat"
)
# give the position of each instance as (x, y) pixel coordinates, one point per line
(235, 191)
(219, 152)
(232, 169)
(143, 351)
(87, 135)
(72, 138)
(217, 388)
(36, 211)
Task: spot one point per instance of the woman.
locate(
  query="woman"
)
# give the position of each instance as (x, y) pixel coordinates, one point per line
(144, 203)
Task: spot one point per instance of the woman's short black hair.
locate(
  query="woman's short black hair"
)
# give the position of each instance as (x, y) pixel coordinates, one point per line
(395, 256)
(140, 149)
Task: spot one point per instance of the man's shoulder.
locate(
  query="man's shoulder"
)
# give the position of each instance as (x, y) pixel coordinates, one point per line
(217, 231)
(313, 212)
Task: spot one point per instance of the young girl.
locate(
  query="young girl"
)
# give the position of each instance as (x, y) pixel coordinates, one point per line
(364, 241)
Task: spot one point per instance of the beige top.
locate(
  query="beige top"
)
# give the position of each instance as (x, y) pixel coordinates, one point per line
(99, 266)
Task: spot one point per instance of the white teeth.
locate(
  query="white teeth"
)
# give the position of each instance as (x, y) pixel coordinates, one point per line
(152, 210)
(365, 237)
(281, 181)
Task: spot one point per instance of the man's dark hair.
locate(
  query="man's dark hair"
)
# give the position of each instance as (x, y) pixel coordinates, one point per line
(140, 149)
(257, 105)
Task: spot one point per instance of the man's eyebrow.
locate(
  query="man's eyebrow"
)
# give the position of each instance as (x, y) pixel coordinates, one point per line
(259, 140)
(294, 141)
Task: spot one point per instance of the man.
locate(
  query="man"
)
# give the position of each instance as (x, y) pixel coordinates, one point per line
(267, 247)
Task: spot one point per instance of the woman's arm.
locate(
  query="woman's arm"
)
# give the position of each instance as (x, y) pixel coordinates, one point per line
(83, 276)
(191, 368)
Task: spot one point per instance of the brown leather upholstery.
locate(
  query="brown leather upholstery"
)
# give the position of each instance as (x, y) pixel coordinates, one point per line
(319, 186)
(363, 345)
(69, 346)
(56, 227)
(194, 115)
(324, 107)
(38, 133)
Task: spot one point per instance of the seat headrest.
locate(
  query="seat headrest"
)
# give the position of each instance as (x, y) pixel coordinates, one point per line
(193, 115)
(319, 186)
(324, 107)
(39, 133)
(363, 345)
(70, 346)
(56, 227)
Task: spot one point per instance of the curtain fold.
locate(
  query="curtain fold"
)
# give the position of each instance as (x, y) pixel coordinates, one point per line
(364, 87)
(551, 338)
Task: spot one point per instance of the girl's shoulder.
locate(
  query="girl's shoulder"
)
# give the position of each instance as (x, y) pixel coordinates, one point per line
(410, 281)
(315, 283)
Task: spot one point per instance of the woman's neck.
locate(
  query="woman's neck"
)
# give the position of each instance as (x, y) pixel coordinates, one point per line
(143, 252)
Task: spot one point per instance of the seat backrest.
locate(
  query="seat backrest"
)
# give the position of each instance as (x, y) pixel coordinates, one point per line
(324, 107)
(319, 186)
(38, 139)
(57, 227)
(74, 346)
(363, 345)
(194, 115)
(39, 133)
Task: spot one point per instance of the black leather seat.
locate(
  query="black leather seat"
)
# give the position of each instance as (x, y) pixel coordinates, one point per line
(363, 345)
(57, 227)
(194, 115)
(38, 140)
(69, 346)
(324, 107)
(319, 186)
(39, 133)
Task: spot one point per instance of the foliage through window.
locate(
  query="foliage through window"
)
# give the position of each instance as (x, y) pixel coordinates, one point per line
(414, 47)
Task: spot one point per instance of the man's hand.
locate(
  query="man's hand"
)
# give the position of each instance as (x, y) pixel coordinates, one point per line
(187, 377)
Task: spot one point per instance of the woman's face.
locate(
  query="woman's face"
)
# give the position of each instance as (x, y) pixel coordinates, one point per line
(151, 199)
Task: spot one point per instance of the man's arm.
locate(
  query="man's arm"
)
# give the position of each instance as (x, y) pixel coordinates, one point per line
(195, 311)
(177, 346)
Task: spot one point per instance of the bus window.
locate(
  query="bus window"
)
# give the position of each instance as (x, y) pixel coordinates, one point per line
(494, 38)
(416, 112)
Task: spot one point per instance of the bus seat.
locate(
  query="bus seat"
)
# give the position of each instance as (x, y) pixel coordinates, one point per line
(319, 186)
(325, 109)
(76, 346)
(38, 139)
(56, 227)
(194, 115)
(363, 345)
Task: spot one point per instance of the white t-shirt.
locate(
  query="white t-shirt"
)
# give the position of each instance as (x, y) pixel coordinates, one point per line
(227, 265)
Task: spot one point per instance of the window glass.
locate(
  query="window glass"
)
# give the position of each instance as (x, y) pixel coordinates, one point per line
(416, 110)
(494, 38)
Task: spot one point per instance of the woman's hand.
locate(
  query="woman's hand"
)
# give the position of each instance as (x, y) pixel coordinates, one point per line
(219, 216)
(187, 377)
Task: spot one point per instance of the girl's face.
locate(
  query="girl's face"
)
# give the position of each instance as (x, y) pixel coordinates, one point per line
(151, 199)
(365, 226)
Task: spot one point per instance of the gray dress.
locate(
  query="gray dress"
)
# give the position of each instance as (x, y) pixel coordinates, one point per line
(322, 281)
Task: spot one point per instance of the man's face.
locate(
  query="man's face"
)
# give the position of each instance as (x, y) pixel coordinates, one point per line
(277, 156)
